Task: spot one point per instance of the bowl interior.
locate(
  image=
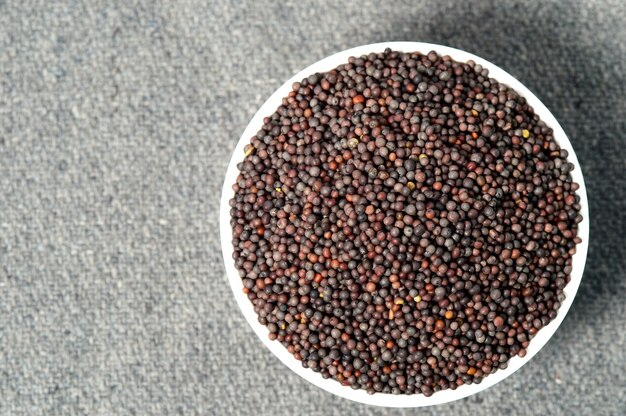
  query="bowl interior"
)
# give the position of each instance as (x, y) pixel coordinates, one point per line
(381, 399)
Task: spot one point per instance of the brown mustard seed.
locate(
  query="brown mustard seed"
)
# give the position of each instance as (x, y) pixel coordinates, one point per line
(409, 239)
(358, 99)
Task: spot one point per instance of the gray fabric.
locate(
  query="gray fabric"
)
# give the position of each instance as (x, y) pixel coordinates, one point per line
(117, 120)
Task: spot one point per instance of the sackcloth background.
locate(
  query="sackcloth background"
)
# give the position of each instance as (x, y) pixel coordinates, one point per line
(117, 121)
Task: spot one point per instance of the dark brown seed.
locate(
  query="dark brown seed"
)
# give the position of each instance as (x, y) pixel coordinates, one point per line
(404, 223)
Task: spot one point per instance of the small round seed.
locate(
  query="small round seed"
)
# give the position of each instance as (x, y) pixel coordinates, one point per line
(404, 223)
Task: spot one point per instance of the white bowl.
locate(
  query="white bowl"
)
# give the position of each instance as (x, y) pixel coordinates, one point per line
(382, 399)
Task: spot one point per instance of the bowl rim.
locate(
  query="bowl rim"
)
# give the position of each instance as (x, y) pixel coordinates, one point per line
(383, 399)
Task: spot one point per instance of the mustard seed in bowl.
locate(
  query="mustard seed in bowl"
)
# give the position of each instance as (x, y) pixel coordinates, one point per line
(404, 224)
